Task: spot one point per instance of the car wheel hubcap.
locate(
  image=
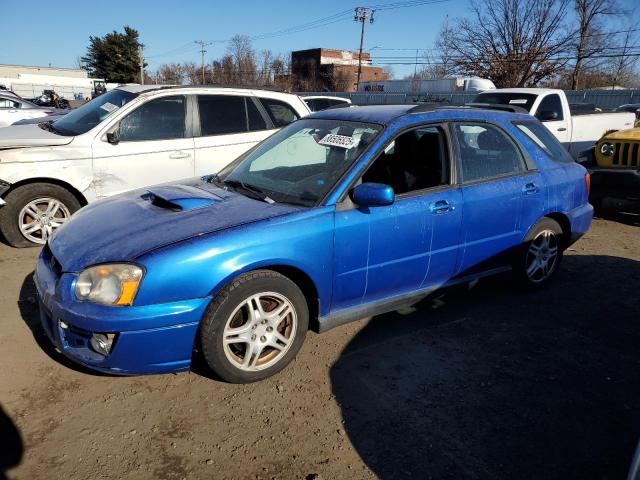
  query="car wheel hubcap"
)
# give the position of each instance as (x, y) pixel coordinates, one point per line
(542, 256)
(260, 331)
(40, 217)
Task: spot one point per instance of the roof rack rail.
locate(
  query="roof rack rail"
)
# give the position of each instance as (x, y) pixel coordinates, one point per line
(270, 88)
(427, 107)
(498, 106)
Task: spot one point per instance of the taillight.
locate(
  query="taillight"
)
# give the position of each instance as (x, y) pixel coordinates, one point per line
(587, 181)
(48, 112)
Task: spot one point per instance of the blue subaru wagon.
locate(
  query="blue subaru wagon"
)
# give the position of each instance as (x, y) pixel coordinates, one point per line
(344, 214)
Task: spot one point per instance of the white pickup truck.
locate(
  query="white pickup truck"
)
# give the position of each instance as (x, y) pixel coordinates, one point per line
(577, 131)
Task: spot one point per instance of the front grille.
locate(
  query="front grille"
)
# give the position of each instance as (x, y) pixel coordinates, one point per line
(51, 260)
(626, 154)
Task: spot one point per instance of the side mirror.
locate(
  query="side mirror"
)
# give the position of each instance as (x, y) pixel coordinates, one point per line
(547, 115)
(372, 195)
(113, 137)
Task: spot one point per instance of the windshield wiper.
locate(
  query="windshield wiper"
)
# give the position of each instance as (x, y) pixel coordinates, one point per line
(253, 190)
(48, 125)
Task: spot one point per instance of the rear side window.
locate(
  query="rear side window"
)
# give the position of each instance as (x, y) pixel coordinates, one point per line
(281, 113)
(221, 114)
(6, 103)
(544, 140)
(550, 108)
(486, 152)
(159, 119)
(228, 114)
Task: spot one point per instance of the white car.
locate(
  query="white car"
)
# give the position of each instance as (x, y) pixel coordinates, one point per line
(322, 102)
(14, 108)
(577, 131)
(128, 138)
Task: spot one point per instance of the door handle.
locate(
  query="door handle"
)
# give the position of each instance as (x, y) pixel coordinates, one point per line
(440, 207)
(530, 189)
(179, 154)
(562, 129)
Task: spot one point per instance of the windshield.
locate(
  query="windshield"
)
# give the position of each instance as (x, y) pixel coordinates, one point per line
(524, 100)
(92, 113)
(300, 163)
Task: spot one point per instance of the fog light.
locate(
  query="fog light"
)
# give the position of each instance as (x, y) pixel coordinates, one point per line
(102, 342)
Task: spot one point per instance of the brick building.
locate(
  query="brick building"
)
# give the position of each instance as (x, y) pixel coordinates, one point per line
(324, 69)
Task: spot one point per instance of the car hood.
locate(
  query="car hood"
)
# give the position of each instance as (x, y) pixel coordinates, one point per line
(124, 227)
(15, 136)
(630, 134)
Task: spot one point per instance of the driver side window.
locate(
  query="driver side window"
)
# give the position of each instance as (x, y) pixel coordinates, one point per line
(415, 160)
(159, 119)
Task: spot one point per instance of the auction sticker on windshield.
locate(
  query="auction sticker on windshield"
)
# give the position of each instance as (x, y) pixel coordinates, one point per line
(109, 107)
(333, 140)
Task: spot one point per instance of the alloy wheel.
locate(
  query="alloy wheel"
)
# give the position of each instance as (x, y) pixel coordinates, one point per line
(542, 256)
(260, 331)
(40, 217)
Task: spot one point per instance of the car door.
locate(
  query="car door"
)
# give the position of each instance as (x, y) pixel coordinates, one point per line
(495, 181)
(406, 246)
(228, 126)
(551, 113)
(153, 145)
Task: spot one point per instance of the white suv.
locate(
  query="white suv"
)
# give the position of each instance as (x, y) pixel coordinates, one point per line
(131, 137)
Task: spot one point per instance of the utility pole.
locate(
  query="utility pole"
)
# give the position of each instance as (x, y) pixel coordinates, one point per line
(141, 60)
(202, 44)
(362, 15)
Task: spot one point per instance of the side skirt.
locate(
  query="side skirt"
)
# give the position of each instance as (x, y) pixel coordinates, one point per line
(351, 314)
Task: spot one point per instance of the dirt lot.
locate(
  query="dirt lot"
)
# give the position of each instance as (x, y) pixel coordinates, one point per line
(489, 383)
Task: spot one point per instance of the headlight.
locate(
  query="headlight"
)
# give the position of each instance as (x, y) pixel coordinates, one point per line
(110, 284)
(606, 149)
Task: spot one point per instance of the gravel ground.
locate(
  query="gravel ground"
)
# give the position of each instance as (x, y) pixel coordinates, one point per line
(487, 383)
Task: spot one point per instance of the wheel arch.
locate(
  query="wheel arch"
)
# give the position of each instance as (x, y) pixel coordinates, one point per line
(298, 276)
(53, 181)
(565, 224)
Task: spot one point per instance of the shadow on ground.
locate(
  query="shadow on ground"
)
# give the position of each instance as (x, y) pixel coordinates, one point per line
(497, 383)
(12, 446)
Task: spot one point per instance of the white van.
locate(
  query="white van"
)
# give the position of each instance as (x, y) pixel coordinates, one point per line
(130, 137)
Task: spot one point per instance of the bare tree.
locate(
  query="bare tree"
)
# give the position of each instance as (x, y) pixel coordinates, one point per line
(512, 42)
(264, 69)
(192, 73)
(442, 64)
(244, 58)
(171, 73)
(623, 65)
(591, 37)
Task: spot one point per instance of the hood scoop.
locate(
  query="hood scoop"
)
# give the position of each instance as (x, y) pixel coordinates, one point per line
(179, 198)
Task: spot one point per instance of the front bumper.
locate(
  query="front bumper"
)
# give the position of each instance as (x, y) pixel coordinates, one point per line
(620, 183)
(149, 339)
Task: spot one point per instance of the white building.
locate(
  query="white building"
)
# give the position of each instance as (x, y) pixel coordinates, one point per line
(30, 81)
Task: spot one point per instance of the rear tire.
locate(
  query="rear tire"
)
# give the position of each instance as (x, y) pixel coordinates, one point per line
(34, 211)
(540, 255)
(254, 327)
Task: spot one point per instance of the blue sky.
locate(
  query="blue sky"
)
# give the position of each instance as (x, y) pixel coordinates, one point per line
(57, 32)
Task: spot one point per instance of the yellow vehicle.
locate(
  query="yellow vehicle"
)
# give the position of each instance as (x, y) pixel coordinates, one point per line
(614, 164)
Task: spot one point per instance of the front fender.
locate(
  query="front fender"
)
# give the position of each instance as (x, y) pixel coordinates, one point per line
(202, 266)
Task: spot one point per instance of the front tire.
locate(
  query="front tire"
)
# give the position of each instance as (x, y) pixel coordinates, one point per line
(34, 211)
(254, 327)
(541, 254)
